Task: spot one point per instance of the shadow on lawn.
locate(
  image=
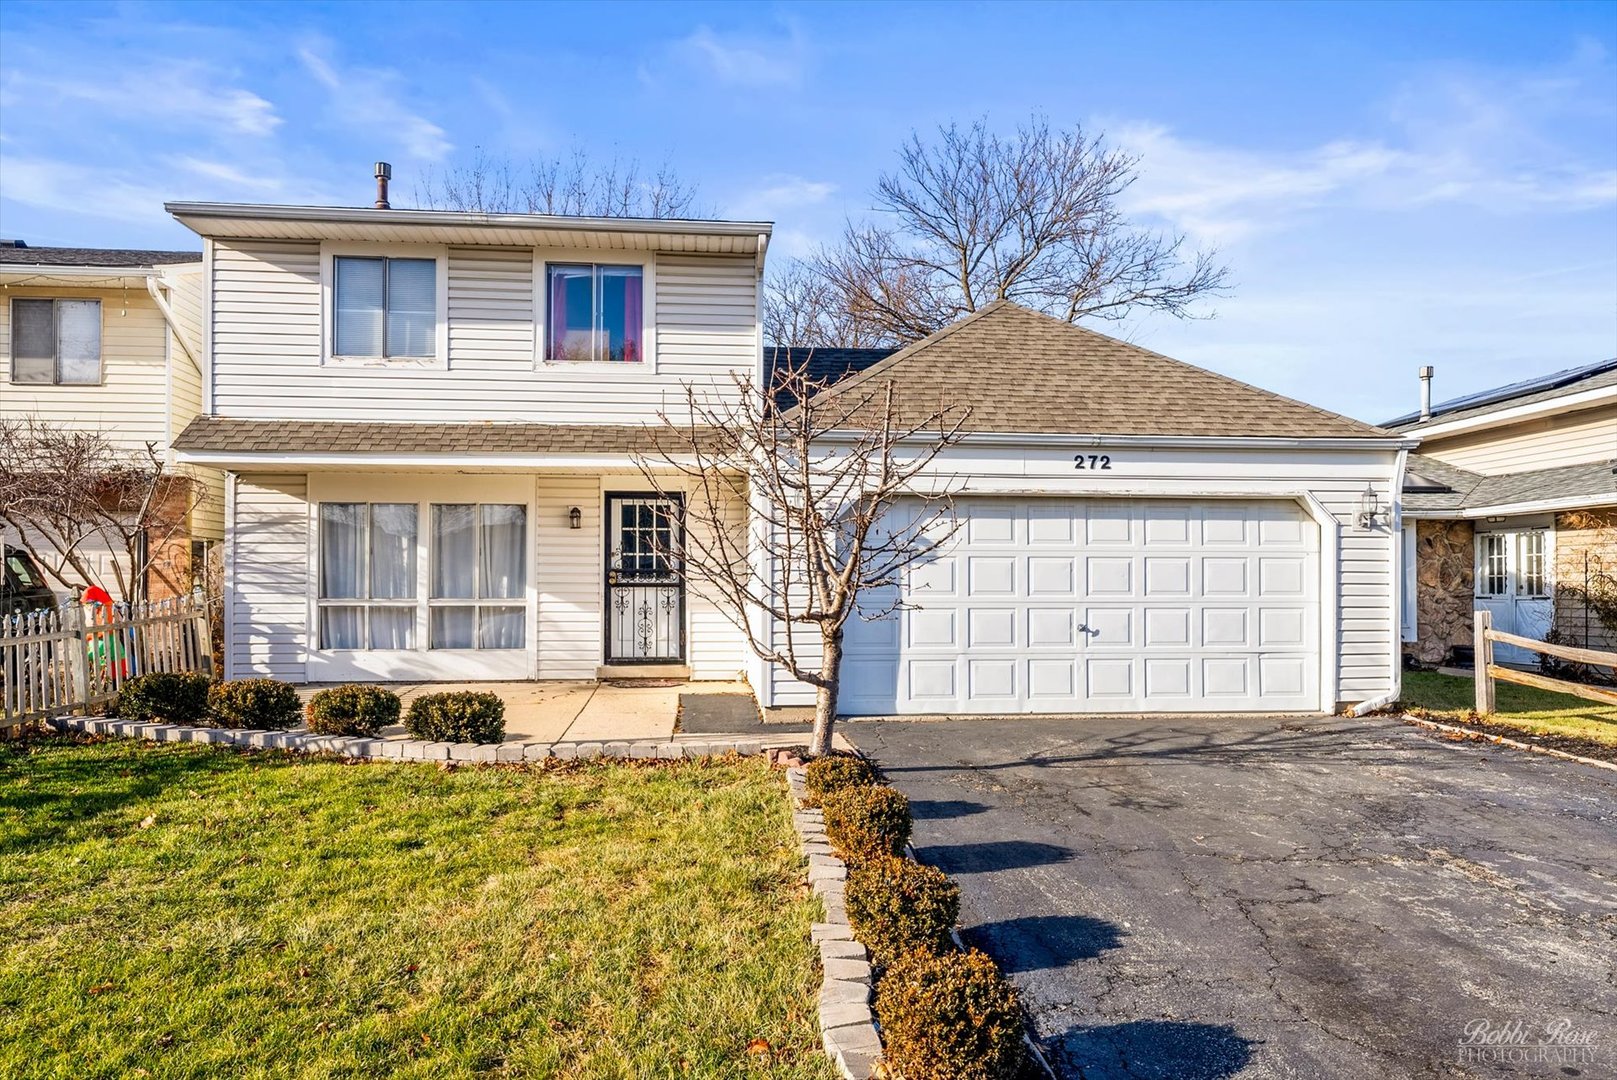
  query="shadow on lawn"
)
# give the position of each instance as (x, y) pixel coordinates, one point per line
(65, 788)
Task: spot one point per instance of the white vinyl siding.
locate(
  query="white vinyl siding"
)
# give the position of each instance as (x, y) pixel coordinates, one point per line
(267, 579)
(1562, 439)
(267, 343)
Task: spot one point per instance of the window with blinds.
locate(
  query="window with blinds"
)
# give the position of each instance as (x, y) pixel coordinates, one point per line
(384, 307)
(56, 341)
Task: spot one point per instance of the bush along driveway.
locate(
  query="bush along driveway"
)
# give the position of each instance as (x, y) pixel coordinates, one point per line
(194, 911)
(1198, 899)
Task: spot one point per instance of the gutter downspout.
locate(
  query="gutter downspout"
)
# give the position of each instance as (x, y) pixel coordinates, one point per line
(1395, 654)
(173, 323)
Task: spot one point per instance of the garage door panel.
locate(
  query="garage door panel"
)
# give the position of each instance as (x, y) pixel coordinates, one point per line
(1184, 607)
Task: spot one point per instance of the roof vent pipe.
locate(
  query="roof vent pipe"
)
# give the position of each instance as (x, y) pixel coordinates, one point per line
(384, 173)
(1426, 393)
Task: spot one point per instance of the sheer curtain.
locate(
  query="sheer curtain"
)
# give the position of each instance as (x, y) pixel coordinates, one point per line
(393, 574)
(502, 574)
(454, 575)
(342, 562)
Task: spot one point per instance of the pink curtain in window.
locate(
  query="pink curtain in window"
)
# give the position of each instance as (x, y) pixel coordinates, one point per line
(632, 318)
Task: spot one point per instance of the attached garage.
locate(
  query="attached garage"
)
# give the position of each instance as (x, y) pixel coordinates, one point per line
(1097, 605)
(1136, 535)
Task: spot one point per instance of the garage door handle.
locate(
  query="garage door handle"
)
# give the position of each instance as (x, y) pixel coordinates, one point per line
(1084, 628)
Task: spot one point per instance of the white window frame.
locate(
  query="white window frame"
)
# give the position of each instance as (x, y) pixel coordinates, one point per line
(1410, 606)
(329, 252)
(56, 361)
(646, 261)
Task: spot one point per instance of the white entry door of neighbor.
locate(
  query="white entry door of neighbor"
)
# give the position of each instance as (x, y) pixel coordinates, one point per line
(1513, 584)
(1087, 605)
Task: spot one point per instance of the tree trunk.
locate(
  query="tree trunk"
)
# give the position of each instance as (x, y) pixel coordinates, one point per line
(825, 698)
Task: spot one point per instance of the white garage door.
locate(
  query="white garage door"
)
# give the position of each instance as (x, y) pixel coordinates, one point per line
(1101, 606)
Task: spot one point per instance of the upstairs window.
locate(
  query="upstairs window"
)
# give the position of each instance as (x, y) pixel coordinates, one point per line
(594, 312)
(385, 308)
(56, 341)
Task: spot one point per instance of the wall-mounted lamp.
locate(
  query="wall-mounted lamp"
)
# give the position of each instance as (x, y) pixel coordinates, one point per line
(1370, 508)
(575, 518)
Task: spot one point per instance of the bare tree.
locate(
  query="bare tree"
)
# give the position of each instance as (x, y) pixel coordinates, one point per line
(571, 184)
(803, 310)
(69, 495)
(973, 218)
(789, 512)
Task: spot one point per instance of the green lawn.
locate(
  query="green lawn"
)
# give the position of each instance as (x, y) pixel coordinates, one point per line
(179, 911)
(1523, 708)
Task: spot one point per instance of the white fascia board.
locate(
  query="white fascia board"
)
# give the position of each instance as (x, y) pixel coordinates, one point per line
(348, 215)
(1550, 406)
(1171, 442)
(83, 274)
(243, 462)
(1569, 502)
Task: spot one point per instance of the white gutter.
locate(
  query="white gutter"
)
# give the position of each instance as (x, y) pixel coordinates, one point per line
(95, 273)
(460, 219)
(1395, 655)
(1565, 403)
(243, 461)
(173, 323)
(1541, 506)
(1173, 442)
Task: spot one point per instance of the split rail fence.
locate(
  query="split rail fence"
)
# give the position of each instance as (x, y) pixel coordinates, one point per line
(75, 657)
(1487, 671)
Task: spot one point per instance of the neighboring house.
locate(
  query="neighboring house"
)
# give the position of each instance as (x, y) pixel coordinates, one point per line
(431, 423)
(110, 341)
(1511, 505)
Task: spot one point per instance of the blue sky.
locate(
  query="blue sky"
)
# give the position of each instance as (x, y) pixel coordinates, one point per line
(1392, 185)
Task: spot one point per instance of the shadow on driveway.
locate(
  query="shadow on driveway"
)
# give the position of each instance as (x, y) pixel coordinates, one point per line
(1157, 1050)
(993, 855)
(1042, 942)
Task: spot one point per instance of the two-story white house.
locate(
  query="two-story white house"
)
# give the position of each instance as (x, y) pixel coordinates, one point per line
(110, 341)
(431, 423)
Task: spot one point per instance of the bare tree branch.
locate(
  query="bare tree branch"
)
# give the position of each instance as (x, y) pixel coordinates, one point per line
(792, 521)
(569, 185)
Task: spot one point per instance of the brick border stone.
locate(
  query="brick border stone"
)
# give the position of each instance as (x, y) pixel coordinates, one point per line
(847, 1024)
(395, 750)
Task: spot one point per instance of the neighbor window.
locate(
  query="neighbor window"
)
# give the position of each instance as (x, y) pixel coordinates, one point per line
(593, 313)
(479, 576)
(367, 567)
(56, 341)
(384, 307)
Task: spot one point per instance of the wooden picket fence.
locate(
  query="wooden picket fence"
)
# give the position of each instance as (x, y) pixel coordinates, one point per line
(1487, 671)
(75, 657)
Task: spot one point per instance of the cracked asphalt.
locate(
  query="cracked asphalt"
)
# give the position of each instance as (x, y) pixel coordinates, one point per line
(1190, 899)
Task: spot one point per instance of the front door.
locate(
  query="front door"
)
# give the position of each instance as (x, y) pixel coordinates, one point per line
(1513, 584)
(645, 581)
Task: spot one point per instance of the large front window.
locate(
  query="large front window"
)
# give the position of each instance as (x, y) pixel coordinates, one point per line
(384, 307)
(56, 341)
(476, 587)
(477, 562)
(593, 313)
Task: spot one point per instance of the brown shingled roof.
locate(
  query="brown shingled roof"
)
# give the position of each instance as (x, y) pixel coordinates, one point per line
(1021, 371)
(220, 435)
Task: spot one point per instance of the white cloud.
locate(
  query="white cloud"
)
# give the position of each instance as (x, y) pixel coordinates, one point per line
(780, 192)
(743, 60)
(369, 99)
(82, 189)
(235, 176)
(175, 95)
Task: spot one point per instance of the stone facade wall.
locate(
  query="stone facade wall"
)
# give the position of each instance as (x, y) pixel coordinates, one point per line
(1444, 558)
(1579, 533)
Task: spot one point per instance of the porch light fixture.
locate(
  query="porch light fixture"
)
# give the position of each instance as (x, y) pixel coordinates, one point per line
(1369, 508)
(575, 518)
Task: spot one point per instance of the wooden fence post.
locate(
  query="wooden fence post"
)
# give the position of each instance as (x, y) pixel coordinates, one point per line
(1482, 620)
(78, 658)
(204, 638)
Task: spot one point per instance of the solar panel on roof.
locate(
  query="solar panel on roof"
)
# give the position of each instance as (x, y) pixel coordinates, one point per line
(1516, 389)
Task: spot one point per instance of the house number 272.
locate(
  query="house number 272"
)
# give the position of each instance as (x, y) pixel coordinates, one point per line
(1092, 461)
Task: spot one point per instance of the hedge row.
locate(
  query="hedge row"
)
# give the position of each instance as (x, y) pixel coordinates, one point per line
(267, 705)
(945, 1014)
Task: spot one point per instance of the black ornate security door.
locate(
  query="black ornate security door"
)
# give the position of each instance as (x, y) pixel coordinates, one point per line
(645, 581)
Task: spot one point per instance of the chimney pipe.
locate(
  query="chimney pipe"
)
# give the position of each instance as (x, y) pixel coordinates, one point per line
(384, 173)
(1426, 392)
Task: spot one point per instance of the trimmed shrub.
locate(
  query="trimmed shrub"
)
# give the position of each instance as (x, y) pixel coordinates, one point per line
(461, 716)
(867, 821)
(353, 710)
(165, 696)
(950, 1016)
(897, 906)
(834, 772)
(254, 704)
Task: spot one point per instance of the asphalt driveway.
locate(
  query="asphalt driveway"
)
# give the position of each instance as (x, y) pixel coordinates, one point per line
(1194, 899)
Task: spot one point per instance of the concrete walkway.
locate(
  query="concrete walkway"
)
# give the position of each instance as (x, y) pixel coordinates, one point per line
(555, 711)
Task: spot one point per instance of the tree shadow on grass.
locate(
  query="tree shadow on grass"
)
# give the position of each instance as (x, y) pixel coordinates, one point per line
(984, 857)
(61, 790)
(1153, 1050)
(1041, 942)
